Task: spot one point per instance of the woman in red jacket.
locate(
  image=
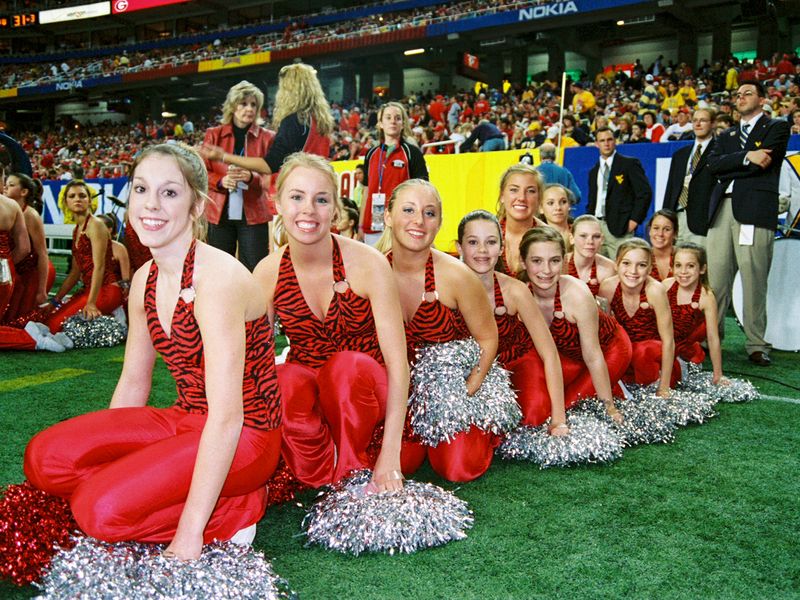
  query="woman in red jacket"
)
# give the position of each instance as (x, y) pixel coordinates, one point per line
(238, 212)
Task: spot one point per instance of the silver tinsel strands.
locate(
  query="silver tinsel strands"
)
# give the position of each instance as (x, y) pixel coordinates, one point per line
(689, 407)
(350, 519)
(95, 569)
(646, 418)
(699, 381)
(101, 332)
(590, 440)
(439, 405)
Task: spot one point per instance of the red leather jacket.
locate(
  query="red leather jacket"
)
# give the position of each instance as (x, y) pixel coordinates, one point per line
(256, 198)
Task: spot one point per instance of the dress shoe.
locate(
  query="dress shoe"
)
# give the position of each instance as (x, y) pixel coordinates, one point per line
(760, 359)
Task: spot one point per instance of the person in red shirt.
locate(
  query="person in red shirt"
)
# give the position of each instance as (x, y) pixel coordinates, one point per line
(436, 109)
(354, 121)
(481, 106)
(394, 160)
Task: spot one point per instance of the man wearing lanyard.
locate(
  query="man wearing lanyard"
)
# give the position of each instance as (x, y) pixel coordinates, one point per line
(386, 166)
(690, 181)
(743, 213)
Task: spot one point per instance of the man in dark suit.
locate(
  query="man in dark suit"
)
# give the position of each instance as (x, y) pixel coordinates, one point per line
(743, 212)
(691, 182)
(619, 193)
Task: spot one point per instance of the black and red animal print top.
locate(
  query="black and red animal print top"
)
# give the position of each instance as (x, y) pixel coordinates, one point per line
(348, 325)
(643, 324)
(82, 252)
(5, 245)
(433, 322)
(182, 350)
(654, 269)
(686, 318)
(566, 334)
(593, 283)
(513, 337)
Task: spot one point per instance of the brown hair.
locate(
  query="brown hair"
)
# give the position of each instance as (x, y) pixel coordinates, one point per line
(535, 235)
(634, 243)
(702, 260)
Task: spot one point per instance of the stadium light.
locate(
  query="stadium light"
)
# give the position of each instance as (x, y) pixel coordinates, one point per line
(620, 22)
(414, 51)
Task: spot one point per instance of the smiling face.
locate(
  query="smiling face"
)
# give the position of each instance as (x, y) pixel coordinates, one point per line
(556, 205)
(415, 218)
(687, 269)
(633, 267)
(307, 205)
(543, 264)
(587, 239)
(245, 112)
(481, 245)
(520, 197)
(662, 233)
(162, 206)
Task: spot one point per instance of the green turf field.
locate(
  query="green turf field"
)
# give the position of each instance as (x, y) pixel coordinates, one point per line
(713, 515)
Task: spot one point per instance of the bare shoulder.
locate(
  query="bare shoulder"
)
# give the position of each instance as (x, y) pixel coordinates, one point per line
(605, 264)
(361, 260)
(511, 287)
(138, 282)
(221, 278)
(449, 267)
(655, 290)
(608, 286)
(573, 290)
(267, 269)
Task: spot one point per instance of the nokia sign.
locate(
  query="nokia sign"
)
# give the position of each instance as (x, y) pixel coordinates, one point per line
(558, 9)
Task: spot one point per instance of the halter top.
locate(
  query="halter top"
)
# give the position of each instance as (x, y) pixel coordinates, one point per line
(5, 244)
(433, 322)
(348, 324)
(685, 317)
(82, 253)
(654, 269)
(642, 325)
(514, 340)
(566, 334)
(182, 351)
(593, 283)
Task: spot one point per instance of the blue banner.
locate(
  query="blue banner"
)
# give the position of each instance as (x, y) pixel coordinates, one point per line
(117, 187)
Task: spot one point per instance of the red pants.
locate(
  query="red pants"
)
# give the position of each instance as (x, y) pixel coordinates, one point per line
(25, 286)
(127, 472)
(109, 298)
(646, 364)
(465, 458)
(618, 358)
(690, 349)
(12, 338)
(6, 290)
(329, 415)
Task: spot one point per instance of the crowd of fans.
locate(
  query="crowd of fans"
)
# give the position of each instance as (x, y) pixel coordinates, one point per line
(645, 106)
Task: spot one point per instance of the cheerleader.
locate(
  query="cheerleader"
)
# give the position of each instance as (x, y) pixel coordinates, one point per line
(557, 201)
(585, 261)
(662, 229)
(594, 350)
(14, 245)
(694, 308)
(526, 348)
(442, 300)
(338, 304)
(35, 272)
(517, 207)
(640, 305)
(195, 472)
(92, 263)
(119, 253)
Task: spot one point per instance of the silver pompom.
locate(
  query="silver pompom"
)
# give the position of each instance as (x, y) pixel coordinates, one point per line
(590, 440)
(439, 405)
(101, 332)
(688, 407)
(95, 569)
(351, 519)
(646, 417)
(736, 390)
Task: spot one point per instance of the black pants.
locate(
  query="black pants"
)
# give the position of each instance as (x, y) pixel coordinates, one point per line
(253, 239)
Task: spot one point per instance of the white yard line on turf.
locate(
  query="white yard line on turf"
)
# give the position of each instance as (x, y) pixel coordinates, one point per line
(780, 399)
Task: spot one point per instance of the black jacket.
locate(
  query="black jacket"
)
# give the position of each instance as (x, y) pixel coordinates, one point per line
(629, 194)
(700, 187)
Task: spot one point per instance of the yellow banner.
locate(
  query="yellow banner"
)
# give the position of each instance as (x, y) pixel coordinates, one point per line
(245, 60)
(9, 93)
(465, 181)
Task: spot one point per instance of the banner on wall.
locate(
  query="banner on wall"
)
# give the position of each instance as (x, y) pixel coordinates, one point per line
(116, 187)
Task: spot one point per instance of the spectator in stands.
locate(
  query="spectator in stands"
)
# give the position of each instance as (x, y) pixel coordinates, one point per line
(649, 98)
(653, 129)
(583, 101)
(677, 130)
(673, 100)
(301, 117)
(238, 212)
(638, 133)
(553, 173)
(488, 136)
(573, 129)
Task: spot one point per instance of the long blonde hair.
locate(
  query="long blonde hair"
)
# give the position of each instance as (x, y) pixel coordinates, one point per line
(299, 91)
(519, 168)
(384, 243)
(309, 161)
(406, 134)
(193, 169)
(236, 95)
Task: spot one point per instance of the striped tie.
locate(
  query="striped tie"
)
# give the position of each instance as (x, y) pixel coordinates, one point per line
(743, 134)
(683, 199)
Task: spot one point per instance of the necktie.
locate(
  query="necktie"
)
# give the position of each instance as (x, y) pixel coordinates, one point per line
(743, 135)
(683, 199)
(606, 176)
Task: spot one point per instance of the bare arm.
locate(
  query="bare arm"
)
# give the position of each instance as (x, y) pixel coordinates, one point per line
(133, 387)
(220, 311)
(708, 304)
(124, 261)
(657, 297)
(19, 233)
(39, 245)
(251, 163)
(98, 236)
(584, 311)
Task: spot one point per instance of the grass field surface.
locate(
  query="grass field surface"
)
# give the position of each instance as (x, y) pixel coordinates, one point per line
(713, 515)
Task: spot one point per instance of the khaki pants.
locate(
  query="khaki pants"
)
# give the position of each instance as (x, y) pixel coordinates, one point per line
(725, 256)
(610, 241)
(685, 234)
